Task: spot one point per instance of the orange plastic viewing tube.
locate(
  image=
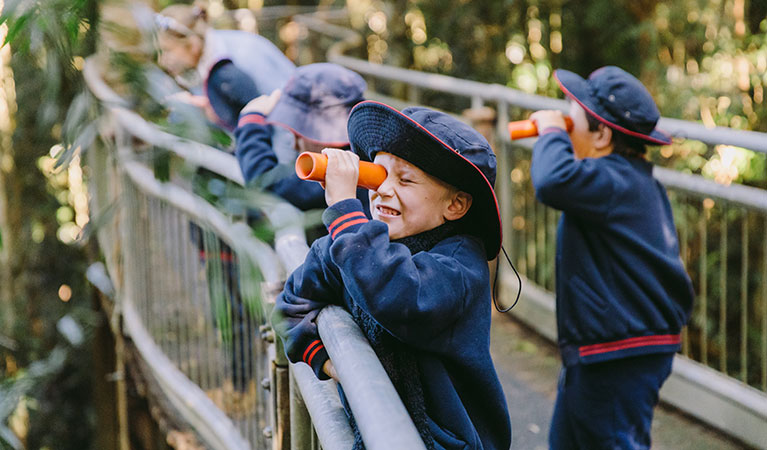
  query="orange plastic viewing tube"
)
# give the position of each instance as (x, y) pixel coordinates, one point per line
(311, 166)
(527, 128)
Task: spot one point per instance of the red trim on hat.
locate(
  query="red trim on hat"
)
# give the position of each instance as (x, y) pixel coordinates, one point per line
(492, 191)
(607, 122)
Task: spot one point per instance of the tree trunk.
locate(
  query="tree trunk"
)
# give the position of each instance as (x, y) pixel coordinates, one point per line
(10, 195)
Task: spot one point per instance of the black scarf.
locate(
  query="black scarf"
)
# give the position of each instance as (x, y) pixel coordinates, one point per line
(398, 359)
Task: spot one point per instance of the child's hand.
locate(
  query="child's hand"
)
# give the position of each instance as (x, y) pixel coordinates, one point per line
(330, 370)
(547, 119)
(341, 175)
(199, 101)
(263, 104)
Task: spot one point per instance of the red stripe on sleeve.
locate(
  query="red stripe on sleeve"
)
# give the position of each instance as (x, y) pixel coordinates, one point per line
(251, 118)
(311, 357)
(309, 348)
(641, 341)
(345, 217)
(347, 225)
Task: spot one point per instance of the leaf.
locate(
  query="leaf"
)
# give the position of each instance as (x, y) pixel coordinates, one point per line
(83, 141)
(79, 112)
(104, 216)
(15, 27)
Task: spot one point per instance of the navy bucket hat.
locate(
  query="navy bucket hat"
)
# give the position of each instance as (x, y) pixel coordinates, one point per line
(316, 101)
(617, 99)
(441, 146)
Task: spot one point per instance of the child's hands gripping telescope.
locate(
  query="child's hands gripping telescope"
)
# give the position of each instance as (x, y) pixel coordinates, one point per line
(311, 166)
(527, 128)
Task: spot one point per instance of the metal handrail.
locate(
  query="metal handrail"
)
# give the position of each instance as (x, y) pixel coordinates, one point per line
(290, 249)
(496, 93)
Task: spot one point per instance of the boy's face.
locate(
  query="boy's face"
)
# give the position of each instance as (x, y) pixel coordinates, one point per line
(409, 201)
(586, 143)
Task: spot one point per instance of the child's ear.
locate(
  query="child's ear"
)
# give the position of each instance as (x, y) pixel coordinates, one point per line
(459, 206)
(603, 137)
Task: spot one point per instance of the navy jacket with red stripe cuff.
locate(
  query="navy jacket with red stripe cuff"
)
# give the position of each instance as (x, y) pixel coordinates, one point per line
(621, 287)
(258, 161)
(435, 307)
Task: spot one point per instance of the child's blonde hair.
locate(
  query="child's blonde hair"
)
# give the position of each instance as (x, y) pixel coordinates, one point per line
(185, 19)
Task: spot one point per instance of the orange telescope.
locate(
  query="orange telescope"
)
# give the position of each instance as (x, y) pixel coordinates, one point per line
(527, 128)
(312, 166)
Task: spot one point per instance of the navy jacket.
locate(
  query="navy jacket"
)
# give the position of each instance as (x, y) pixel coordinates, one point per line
(427, 316)
(621, 287)
(258, 160)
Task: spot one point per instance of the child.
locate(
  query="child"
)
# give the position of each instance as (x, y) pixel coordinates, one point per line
(314, 106)
(205, 59)
(622, 292)
(415, 278)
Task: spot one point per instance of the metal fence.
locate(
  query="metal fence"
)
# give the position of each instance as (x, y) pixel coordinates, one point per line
(722, 234)
(193, 289)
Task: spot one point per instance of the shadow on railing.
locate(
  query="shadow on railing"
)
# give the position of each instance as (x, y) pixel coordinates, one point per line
(193, 288)
(721, 375)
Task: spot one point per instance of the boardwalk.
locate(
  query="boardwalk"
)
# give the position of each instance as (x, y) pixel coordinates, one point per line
(528, 367)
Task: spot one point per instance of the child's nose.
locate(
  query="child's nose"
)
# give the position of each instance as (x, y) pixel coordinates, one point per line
(386, 188)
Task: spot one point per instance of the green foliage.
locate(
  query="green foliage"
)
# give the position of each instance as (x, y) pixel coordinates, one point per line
(703, 60)
(42, 374)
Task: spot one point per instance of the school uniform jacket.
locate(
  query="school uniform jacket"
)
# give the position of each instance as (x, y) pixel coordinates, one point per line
(426, 314)
(621, 287)
(257, 158)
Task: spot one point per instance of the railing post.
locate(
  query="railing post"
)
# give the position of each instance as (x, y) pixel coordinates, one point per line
(279, 381)
(300, 421)
(413, 94)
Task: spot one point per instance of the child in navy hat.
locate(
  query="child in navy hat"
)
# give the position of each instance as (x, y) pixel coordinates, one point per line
(415, 278)
(313, 106)
(623, 295)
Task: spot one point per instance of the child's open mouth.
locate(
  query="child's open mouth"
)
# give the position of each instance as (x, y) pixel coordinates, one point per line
(386, 211)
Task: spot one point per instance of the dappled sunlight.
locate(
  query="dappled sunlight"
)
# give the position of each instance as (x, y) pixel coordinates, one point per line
(728, 164)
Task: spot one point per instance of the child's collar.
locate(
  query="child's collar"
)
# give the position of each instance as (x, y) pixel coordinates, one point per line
(426, 240)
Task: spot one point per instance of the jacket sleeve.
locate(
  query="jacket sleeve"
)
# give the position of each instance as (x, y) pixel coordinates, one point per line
(259, 162)
(415, 298)
(229, 89)
(308, 289)
(582, 187)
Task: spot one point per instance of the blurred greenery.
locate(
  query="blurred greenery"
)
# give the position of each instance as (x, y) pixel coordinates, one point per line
(45, 381)
(703, 60)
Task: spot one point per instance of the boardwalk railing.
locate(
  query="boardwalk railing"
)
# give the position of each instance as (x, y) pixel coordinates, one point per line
(191, 283)
(721, 374)
(192, 290)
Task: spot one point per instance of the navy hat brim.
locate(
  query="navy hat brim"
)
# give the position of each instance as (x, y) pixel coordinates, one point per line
(577, 88)
(326, 126)
(376, 127)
